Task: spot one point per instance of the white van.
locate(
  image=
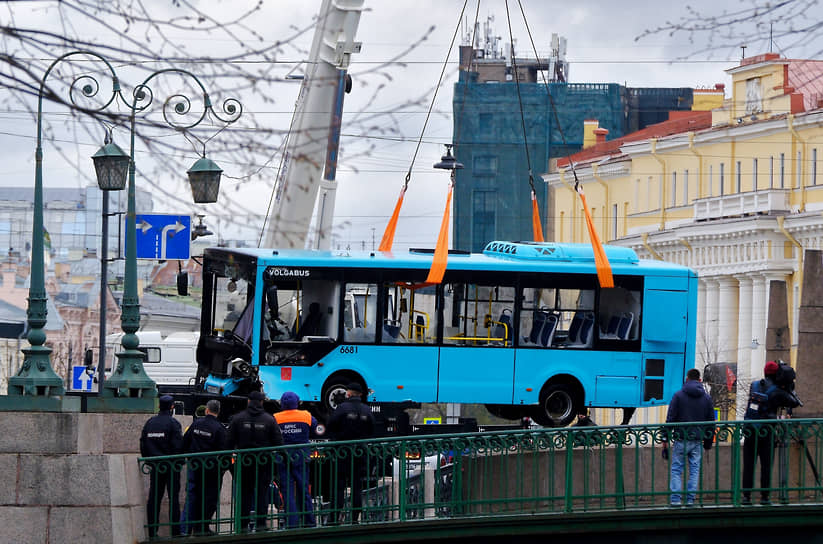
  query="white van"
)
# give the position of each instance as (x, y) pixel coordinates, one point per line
(170, 360)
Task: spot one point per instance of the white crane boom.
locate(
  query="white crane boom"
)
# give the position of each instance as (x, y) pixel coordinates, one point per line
(315, 133)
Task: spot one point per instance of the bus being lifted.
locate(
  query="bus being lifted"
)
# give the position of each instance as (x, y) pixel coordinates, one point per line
(523, 328)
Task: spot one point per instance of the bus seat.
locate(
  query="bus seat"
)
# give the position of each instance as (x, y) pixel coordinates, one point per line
(538, 321)
(312, 325)
(420, 328)
(611, 329)
(580, 331)
(391, 329)
(547, 334)
(503, 328)
(625, 326)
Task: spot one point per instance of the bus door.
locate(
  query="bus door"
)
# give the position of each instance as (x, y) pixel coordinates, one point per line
(477, 354)
(665, 328)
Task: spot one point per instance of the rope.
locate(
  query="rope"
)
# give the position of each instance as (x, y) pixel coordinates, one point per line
(551, 99)
(520, 99)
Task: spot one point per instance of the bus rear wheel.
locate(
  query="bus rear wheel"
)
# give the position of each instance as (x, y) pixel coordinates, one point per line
(558, 406)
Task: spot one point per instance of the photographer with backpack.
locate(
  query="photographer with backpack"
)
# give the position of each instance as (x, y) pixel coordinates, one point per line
(766, 397)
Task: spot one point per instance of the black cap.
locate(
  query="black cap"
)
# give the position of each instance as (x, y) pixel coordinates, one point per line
(257, 395)
(354, 386)
(166, 402)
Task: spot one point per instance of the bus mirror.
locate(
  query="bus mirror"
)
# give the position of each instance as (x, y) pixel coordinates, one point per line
(88, 358)
(183, 283)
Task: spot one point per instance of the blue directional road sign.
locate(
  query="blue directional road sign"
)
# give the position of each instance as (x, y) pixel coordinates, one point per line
(80, 379)
(163, 236)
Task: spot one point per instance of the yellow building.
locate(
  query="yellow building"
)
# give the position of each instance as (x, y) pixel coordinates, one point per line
(734, 193)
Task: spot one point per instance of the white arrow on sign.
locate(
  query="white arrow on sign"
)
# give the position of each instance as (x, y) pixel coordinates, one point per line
(177, 227)
(85, 381)
(144, 226)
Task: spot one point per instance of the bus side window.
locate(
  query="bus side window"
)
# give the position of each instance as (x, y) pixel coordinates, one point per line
(409, 315)
(479, 315)
(361, 311)
(619, 313)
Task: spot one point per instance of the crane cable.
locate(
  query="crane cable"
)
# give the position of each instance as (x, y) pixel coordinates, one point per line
(601, 261)
(388, 235)
(537, 228)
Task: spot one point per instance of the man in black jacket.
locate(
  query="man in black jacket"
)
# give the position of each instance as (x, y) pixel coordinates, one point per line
(161, 436)
(205, 434)
(254, 428)
(691, 403)
(352, 420)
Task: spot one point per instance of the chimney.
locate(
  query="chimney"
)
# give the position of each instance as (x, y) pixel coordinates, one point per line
(600, 135)
(589, 127)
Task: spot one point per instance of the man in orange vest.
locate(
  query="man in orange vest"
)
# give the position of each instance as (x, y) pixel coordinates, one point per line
(296, 426)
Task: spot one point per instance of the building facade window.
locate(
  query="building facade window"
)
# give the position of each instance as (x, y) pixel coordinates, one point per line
(754, 174)
(739, 176)
(782, 170)
(814, 166)
(674, 188)
(722, 181)
(483, 218)
(685, 187)
(711, 181)
(771, 172)
(798, 166)
(614, 222)
(637, 195)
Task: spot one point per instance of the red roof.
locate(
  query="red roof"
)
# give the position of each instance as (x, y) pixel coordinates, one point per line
(678, 122)
(806, 78)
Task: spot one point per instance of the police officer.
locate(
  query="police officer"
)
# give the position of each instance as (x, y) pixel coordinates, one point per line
(766, 397)
(296, 427)
(205, 434)
(352, 420)
(162, 435)
(254, 428)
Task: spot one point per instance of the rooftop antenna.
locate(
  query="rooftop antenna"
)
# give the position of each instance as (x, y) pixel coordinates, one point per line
(771, 38)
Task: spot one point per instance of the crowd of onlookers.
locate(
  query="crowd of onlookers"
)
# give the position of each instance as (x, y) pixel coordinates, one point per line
(282, 479)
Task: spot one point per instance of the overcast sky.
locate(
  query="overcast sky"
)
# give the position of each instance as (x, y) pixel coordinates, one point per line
(601, 49)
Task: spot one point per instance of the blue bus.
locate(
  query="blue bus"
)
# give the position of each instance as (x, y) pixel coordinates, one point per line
(522, 327)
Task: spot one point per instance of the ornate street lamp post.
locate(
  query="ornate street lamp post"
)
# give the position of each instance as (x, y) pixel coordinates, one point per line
(36, 377)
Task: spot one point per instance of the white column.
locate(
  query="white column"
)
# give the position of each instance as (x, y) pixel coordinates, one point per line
(727, 315)
(760, 310)
(709, 332)
(744, 338)
(700, 347)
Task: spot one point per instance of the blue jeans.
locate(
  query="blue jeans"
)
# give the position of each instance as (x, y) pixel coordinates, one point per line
(294, 486)
(683, 450)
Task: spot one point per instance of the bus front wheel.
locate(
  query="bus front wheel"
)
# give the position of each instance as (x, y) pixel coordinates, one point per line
(558, 406)
(334, 392)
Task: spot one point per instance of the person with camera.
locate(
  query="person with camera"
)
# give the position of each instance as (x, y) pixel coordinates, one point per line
(690, 404)
(352, 420)
(766, 398)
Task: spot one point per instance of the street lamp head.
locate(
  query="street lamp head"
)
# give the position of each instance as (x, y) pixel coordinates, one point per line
(112, 166)
(204, 177)
(447, 161)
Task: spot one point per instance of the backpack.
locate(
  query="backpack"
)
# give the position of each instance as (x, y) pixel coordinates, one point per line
(785, 376)
(758, 407)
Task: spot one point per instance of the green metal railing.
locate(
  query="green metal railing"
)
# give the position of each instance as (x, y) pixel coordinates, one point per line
(487, 474)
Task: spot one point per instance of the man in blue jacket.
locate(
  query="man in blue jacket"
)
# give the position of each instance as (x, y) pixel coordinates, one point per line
(690, 404)
(205, 434)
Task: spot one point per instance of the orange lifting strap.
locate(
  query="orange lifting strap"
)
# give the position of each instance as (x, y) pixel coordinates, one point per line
(601, 262)
(388, 236)
(441, 251)
(537, 228)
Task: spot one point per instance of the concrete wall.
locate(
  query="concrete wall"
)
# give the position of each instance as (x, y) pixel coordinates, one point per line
(72, 478)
